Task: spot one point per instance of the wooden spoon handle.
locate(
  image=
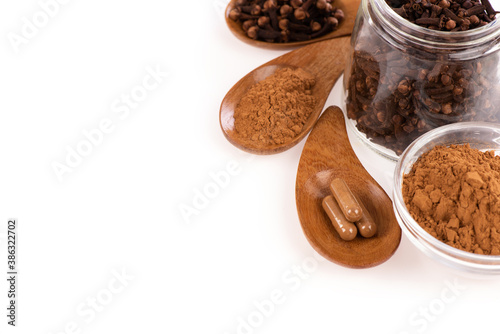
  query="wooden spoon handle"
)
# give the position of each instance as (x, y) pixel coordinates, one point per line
(325, 60)
(336, 143)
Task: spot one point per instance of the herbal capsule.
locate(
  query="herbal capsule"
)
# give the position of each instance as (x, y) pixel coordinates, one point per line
(346, 230)
(346, 200)
(366, 225)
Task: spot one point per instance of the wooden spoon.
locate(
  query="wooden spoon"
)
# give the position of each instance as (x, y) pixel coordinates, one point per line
(327, 155)
(324, 60)
(350, 8)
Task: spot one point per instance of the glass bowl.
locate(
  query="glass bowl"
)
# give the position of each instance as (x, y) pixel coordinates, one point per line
(480, 135)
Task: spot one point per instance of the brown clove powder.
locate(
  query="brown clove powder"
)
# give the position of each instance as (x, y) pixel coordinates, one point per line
(454, 194)
(274, 111)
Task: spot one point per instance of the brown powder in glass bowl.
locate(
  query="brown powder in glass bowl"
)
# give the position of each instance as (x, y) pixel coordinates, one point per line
(454, 194)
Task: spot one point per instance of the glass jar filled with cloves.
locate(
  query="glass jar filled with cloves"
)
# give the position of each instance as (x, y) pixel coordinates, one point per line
(419, 64)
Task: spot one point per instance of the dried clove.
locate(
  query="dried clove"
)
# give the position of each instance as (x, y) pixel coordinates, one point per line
(447, 15)
(302, 13)
(257, 32)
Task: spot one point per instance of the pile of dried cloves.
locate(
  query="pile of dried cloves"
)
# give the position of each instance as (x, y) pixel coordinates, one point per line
(447, 15)
(286, 20)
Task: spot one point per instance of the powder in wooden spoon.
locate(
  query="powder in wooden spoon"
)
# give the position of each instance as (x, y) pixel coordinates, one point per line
(275, 110)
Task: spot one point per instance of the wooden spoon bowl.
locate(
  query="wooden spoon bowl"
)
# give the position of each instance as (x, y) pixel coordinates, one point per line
(324, 60)
(350, 8)
(328, 155)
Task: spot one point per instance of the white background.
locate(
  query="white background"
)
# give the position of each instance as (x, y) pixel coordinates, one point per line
(118, 211)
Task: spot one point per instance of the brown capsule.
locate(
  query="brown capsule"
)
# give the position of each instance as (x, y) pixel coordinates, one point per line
(346, 230)
(366, 225)
(346, 200)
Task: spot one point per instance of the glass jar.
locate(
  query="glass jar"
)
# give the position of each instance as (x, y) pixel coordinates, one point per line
(403, 80)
